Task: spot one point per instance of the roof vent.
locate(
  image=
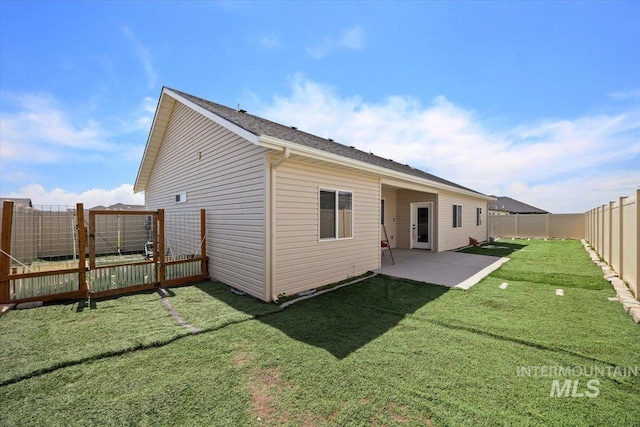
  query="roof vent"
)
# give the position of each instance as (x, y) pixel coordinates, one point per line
(391, 160)
(351, 146)
(293, 127)
(330, 139)
(240, 110)
(371, 153)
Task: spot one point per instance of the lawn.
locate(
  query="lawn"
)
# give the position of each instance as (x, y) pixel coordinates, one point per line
(380, 352)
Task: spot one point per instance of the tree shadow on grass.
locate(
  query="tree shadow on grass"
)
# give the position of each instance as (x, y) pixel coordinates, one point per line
(346, 319)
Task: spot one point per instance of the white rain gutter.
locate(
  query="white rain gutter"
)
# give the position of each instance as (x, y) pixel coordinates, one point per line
(278, 144)
(272, 226)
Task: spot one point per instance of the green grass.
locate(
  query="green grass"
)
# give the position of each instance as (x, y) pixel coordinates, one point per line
(380, 352)
(558, 262)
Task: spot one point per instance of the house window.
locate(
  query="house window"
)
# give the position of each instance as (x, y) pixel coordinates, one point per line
(457, 216)
(382, 211)
(478, 216)
(336, 214)
(181, 198)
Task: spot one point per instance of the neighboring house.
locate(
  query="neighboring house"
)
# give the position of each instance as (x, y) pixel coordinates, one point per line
(508, 206)
(17, 202)
(119, 207)
(288, 211)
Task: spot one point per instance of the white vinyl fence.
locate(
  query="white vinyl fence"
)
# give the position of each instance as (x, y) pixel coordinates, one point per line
(613, 230)
(560, 226)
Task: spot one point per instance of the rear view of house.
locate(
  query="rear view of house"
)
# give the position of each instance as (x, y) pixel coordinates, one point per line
(289, 211)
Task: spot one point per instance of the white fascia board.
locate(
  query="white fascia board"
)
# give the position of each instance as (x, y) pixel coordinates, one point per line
(394, 182)
(217, 119)
(280, 144)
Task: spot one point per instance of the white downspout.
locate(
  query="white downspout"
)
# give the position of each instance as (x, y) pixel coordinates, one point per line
(272, 225)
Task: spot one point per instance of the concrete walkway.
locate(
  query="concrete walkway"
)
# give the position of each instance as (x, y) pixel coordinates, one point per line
(451, 269)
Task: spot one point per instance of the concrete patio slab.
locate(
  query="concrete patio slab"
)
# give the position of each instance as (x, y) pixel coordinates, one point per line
(451, 269)
(5, 308)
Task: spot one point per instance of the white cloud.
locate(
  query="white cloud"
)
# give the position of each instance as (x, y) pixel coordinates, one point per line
(352, 38)
(625, 94)
(39, 130)
(94, 197)
(453, 143)
(577, 194)
(42, 132)
(140, 117)
(145, 57)
(269, 42)
(148, 111)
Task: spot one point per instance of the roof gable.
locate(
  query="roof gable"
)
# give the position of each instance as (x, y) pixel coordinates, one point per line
(253, 128)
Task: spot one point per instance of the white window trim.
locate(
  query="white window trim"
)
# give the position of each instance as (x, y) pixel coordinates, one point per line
(180, 197)
(353, 209)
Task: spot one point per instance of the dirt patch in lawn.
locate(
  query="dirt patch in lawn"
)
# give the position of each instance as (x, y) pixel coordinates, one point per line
(264, 388)
(241, 358)
(398, 414)
(267, 388)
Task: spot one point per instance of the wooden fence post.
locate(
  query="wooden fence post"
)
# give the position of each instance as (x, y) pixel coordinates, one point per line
(5, 246)
(160, 266)
(203, 241)
(82, 250)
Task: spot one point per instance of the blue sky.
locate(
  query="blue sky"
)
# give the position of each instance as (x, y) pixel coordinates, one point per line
(539, 101)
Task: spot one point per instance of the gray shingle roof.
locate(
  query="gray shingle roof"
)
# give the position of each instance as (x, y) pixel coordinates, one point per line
(119, 207)
(259, 126)
(17, 201)
(507, 204)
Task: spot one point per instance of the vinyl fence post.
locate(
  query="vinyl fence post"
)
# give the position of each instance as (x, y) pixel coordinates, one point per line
(548, 233)
(621, 237)
(5, 246)
(610, 248)
(602, 236)
(637, 245)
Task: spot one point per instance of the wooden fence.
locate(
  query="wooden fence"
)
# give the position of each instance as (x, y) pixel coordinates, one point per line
(82, 276)
(613, 231)
(48, 233)
(561, 226)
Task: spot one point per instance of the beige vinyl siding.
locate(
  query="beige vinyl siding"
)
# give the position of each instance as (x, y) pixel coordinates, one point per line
(404, 200)
(390, 196)
(452, 238)
(224, 174)
(303, 261)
